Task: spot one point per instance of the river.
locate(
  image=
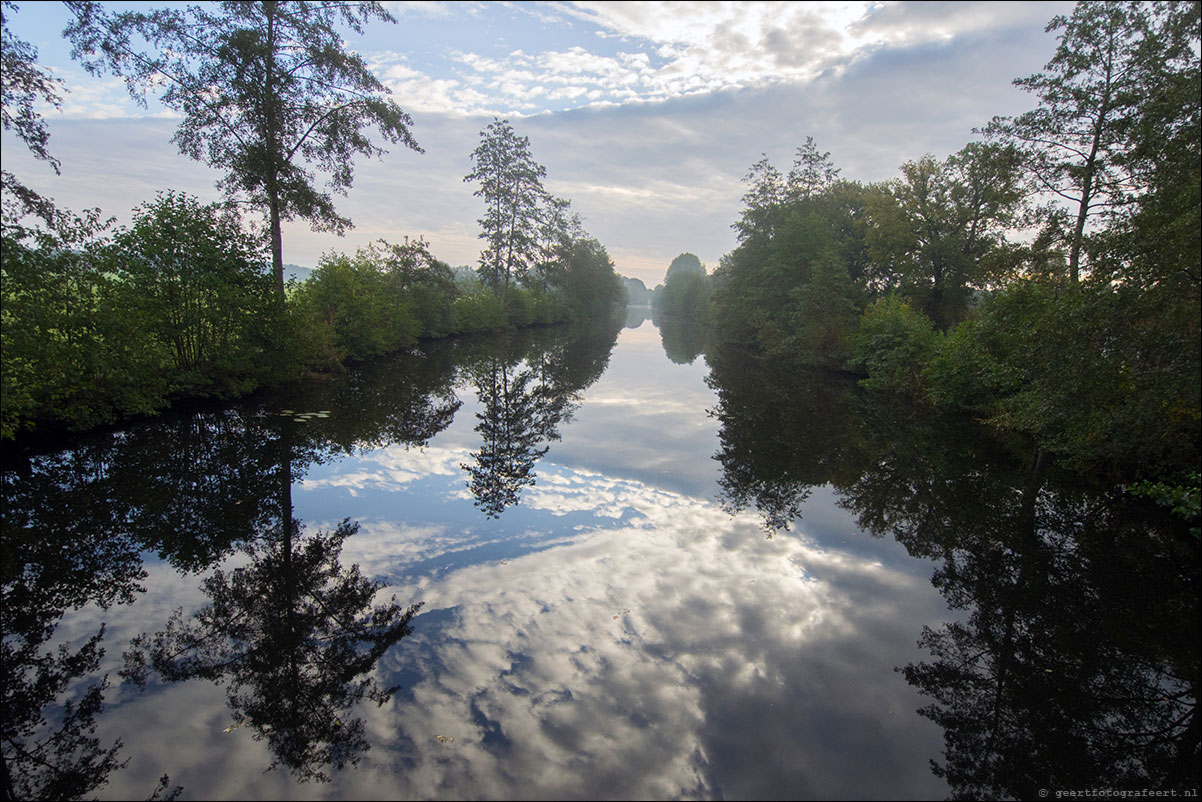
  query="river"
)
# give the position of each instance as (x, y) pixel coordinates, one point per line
(582, 564)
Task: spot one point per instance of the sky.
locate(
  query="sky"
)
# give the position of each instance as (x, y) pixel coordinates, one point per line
(646, 115)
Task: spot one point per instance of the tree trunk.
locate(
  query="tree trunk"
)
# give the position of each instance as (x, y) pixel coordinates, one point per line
(1074, 254)
(270, 9)
(1091, 168)
(277, 242)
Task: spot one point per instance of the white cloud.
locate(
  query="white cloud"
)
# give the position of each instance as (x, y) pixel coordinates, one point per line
(428, 8)
(651, 179)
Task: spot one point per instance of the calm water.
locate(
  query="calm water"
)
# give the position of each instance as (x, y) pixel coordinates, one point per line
(643, 573)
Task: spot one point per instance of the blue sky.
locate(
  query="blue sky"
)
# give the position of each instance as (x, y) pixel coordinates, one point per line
(646, 115)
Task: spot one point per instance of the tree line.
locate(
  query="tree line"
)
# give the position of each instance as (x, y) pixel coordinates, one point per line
(1044, 278)
(190, 299)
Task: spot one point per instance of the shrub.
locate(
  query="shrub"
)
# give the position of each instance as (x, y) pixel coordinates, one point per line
(894, 344)
(479, 311)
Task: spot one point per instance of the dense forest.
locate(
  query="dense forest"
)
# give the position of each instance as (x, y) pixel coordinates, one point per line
(1044, 279)
(189, 299)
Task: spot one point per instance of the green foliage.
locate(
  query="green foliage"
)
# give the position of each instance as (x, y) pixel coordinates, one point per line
(894, 344)
(72, 349)
(936, 233)
(512, 189)
(824, 315)
(267, 92)
(1156, 246)
(1105, 373)
(1105, 377)
(591, 287)
(636, 291)
(807, 228)
(684, 295)
(558, 231)
(25, 85)
(424, 283)
(684, 264)
(537, 258)
(99, 327)
(199, 286)
(479, 311)
(1076, 142)
(1185, 500)
(686, 289)
(351, 302)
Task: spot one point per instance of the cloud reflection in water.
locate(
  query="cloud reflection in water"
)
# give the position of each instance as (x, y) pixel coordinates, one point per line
(645, 644)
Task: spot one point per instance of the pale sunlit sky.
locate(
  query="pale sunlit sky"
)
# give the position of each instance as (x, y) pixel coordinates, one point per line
(647, 115)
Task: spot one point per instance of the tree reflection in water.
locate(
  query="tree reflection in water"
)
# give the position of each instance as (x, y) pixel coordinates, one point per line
(1075, 666)
(781, 433)
(1077, 662)
(295, 636)
(57, 558)
(512, 427)
(528, 384)
(198, 488)
(683, 339)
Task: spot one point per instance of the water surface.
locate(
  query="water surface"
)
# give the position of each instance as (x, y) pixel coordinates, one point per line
(642, 573)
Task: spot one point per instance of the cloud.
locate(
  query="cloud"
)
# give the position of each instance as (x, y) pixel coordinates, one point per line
(668, 50)
(427, 8)
(652, 173)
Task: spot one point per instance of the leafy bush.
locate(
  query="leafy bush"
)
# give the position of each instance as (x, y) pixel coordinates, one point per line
(74, 348)
(479, 311)
(894, 344)
(202, 289)
(362, 316)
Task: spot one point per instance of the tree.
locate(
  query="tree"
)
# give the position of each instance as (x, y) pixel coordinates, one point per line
(935, 231)
(357, 310)
(824, 313)
(200, 282)
(591, 286)
(24, 84)
(812, 172)
(1160, 245)
(267, 91)
(558, 231)
(762, 201)
(686, 289)
(512, 189)
(684, 263)
(73, 350)
(1075, 140)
